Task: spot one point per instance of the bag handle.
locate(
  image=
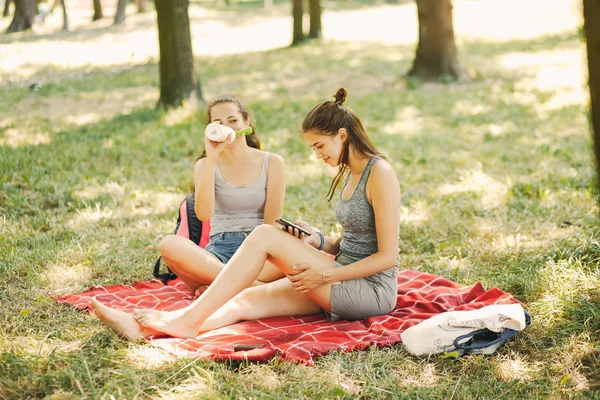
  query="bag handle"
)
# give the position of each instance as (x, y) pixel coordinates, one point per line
(501, 337)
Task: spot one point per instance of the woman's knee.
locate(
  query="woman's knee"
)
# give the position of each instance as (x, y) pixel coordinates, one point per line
(263, 234)
(169, 245)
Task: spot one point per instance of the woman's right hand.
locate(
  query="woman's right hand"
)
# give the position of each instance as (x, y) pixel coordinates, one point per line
(213, 149)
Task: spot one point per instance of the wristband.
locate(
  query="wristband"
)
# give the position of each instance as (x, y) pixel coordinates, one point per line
(322, 240)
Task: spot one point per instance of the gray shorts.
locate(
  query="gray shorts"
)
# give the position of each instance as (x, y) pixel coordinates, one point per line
(356, 299)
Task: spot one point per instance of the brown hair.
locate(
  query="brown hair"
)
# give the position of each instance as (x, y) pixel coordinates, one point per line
(328, 118)
(252, 139)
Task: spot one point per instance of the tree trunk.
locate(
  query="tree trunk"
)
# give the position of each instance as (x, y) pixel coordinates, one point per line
(24, 15)
(97, 11)
(141, 6)
(314, 10)
(436, 52)
(65, 16)
(6, 8)
(297, 14)
(120, 15)
(591, 26)
(177, 77)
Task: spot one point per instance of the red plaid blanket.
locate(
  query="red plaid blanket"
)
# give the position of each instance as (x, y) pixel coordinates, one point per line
(420, 296)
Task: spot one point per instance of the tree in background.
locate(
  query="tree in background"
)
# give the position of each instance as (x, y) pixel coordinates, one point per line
(297, 14)
(314, 10)
(97, 11)
(178, 80)
(25, 12)
(141, 6)
(6, 8)
(120, 14)
(591, 26)
(122, 5)
(436, 52)
(44, 14)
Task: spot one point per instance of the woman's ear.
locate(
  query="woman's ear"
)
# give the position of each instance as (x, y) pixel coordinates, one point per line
(343, 134)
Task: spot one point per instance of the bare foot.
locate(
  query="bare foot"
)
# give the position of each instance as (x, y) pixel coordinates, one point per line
(119, 321)
(173, 323)
(201, 289)
(146, 316)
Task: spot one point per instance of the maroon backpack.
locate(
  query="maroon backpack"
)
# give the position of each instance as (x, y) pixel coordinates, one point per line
(189, 227)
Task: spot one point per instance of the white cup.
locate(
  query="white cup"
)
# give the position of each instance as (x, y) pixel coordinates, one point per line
(219, 133)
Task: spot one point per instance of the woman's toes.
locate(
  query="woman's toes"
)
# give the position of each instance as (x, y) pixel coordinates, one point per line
(201, 289)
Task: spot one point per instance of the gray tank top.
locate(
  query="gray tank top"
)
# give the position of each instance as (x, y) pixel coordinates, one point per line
(357, 217)
(239, 208)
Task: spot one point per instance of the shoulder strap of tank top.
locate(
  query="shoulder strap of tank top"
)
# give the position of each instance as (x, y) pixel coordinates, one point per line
(266, 161)
(365, 176)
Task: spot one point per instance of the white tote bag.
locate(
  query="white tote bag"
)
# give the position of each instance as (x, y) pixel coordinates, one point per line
(479, 331)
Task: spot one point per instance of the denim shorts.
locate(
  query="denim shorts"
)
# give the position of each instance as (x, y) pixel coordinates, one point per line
(223, 245)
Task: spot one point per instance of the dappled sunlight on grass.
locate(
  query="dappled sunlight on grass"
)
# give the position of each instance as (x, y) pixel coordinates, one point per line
(15, 138)
(575, 347)
(265, 377)
(538, 239)
(559, 72)
(276, 139)
(65, 277)
(417, 214)
(470, 108)
(91, 192)
(147, 357)
(421, 374)
(491, 193)
(131, 203)
(564, 280)
(72, 108)
(200, 380)
(44, 347)
(516, 368)
(190, 109)
(90, 215)
(452, 263)
(307, 172)
(408, 122)
(485, 230)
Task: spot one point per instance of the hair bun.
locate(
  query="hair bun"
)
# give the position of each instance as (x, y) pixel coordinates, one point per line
(340, 95)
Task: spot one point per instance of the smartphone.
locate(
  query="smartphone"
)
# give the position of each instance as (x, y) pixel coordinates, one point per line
(246, 347)
(288, 224)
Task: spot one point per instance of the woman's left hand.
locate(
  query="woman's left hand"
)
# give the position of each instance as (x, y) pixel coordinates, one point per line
(308, 279)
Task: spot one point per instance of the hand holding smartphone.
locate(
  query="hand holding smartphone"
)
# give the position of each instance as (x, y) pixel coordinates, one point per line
(288, 224)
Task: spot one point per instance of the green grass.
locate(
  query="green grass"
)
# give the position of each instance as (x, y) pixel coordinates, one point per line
(495, 188)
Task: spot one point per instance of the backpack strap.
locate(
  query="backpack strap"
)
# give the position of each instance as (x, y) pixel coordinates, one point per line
(167, 276)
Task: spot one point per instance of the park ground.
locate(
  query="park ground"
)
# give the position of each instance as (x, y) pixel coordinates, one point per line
(497, 180)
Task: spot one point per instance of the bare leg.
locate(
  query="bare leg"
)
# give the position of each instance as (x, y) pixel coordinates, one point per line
(265, 242)
(194, 265)
(199, 268)
(274, 299)
(270, 273)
